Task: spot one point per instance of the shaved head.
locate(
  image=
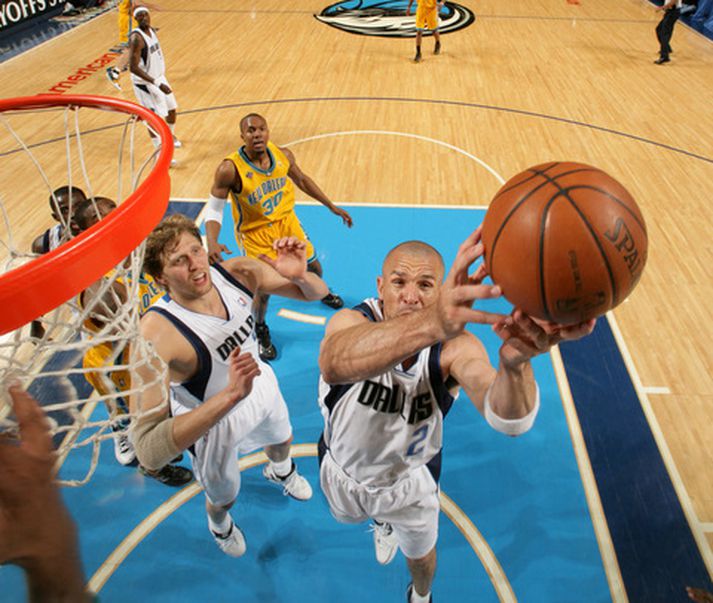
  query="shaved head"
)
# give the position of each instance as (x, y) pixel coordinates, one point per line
(417, 250)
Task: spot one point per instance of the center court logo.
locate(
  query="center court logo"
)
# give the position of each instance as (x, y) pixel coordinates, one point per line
(387, 18)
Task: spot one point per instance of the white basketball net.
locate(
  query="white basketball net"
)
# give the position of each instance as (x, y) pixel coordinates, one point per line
(106, 155)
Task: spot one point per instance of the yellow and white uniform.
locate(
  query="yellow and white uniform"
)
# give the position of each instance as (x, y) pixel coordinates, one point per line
(102, 355)
(427, 14)
(264, 208)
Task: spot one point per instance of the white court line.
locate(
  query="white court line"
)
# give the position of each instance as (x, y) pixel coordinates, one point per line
(652, 390)
(678, 485)
(594, 502)
(300, 317)
(479, 161)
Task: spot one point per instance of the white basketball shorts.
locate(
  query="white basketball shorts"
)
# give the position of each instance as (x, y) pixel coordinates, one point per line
(411, 505)
(151, 97)
(260, 420)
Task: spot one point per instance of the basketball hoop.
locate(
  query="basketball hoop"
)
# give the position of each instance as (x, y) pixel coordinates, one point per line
(72, 267)
(101, 153)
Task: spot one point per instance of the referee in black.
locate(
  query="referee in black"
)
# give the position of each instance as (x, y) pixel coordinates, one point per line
(664, 30)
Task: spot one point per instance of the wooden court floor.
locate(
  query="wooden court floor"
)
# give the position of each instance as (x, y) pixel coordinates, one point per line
(528, 82)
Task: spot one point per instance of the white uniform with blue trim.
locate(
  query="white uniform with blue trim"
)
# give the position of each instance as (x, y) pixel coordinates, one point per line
(152, 63)
(381, 447)
(259, 420)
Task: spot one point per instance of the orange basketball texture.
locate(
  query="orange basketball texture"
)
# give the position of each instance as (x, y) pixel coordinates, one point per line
(565, 242)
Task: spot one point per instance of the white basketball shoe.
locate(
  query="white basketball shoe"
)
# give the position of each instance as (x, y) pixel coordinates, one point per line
(233, 542)
(385, 544)
(293, 484)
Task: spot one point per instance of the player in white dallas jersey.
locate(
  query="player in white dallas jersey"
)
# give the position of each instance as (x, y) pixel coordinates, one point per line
(224, 399)
(148, 73)
(390, 369)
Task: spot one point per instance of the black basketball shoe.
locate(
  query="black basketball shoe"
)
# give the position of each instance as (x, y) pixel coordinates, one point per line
(333, 301)
(265, 349)
(171, 475)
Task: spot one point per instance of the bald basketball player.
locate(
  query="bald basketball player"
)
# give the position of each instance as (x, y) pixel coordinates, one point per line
(390, 370)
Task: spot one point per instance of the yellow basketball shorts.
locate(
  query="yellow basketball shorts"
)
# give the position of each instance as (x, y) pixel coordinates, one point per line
(258, 241)
(426, 17)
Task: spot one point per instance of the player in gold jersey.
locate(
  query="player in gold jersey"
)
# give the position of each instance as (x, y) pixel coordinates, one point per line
(426, 18)
(105, 354)
(260, 177)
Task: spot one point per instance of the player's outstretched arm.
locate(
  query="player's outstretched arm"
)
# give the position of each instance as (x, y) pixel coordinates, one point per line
(309, 186)
(226, 179)
(508, 396)
(36, 530)
(354, 348)
(287, 275)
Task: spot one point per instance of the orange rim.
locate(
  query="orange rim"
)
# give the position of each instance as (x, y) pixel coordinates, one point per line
(51, 279)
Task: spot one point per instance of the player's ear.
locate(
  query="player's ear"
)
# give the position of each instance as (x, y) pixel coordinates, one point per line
(380, 286)
(161, 281)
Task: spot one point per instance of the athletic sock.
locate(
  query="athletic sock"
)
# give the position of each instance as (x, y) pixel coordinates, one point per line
(416, 598)
(220, 528)
(283, 468)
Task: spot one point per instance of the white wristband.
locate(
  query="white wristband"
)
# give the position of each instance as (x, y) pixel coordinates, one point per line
(214, 209)
(511, 427)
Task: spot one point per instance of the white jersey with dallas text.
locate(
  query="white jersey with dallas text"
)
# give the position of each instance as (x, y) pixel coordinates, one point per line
(213, 339)
(378, 429)
(151, 59)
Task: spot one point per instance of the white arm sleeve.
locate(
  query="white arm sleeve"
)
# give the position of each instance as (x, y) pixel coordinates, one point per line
(214, 209)
(512, 427)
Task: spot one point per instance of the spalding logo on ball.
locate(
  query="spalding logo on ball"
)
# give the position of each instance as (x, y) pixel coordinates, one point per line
(565, 242)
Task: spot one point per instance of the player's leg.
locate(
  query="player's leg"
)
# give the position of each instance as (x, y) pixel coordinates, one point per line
(422, 571)
(292, 227)
(266, 349)
(171, 106)
(274, 434)
(411, 509)
(255, 243)
(433, 26)
(419, 35)
(217, 471)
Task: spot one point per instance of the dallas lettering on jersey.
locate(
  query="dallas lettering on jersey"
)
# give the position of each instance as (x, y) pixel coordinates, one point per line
(237, 338)
(269, 186)
(382, 398)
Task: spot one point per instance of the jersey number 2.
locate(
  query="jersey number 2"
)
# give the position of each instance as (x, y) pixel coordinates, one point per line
(418, 436)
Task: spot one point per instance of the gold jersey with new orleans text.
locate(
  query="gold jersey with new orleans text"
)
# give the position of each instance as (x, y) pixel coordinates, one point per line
(266, 196)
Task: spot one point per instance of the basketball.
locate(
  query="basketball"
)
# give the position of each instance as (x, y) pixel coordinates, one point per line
(565, 241)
